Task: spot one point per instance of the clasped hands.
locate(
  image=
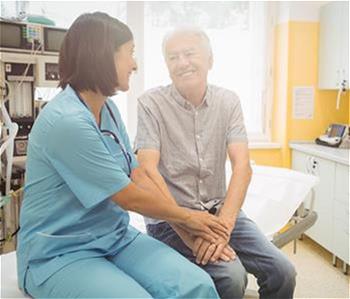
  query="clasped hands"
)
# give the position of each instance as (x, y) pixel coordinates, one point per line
(206, 251)
(211, 244)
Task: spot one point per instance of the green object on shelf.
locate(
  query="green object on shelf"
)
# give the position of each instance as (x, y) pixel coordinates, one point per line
(40, 20)
(4, 200)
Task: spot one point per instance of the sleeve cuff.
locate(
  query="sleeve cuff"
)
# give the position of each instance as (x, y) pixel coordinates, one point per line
(140, 146)
(101, 196)
(237, 139)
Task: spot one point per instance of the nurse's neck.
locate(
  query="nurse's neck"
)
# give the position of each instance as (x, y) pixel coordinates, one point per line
(95, 102)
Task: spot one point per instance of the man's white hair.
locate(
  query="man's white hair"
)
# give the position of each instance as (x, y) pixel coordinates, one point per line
(188, 31)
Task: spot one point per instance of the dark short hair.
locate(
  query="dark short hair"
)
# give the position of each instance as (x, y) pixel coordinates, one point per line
(86, 60)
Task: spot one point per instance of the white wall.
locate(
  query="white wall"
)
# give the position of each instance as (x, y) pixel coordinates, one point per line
(135, 19)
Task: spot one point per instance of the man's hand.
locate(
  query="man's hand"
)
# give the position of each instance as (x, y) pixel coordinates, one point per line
(202, 224)
(223, 251)
(202, 250)
(205, 251)
(195, 243)
(208, 250)
(228, 220)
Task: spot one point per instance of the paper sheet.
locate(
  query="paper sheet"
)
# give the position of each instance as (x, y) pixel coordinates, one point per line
(303, 102)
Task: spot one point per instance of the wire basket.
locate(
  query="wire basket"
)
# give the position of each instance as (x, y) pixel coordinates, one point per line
(9, 219)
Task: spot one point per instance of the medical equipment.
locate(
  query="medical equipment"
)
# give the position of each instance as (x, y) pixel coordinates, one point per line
(28, 62)
(8, 143)
(19, 78)
(7, 148)
(17, 73)
(29, 59)
(22, 73)
(334, 135)
(21, 37)
(10, 205)
(109, 133)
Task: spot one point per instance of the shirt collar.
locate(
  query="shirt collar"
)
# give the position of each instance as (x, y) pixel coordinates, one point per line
(185, 103)
(70, 91)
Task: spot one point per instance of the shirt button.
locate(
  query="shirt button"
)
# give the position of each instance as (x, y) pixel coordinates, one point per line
(196, 113)
(200, 181)
(200, 159)
(197, 136)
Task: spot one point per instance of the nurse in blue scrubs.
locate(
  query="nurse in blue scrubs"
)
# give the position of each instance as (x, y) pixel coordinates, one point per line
(75, 240)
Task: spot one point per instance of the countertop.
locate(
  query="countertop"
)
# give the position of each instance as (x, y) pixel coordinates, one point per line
(334, 154)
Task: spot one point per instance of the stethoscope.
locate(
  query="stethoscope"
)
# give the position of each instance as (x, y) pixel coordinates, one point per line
(109, 133)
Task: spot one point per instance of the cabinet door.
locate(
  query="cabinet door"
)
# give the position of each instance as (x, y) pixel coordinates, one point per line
(333, 45)
(341, 213)
(321, 231)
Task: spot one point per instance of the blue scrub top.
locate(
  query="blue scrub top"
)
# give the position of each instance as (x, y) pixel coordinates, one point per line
(72, 170)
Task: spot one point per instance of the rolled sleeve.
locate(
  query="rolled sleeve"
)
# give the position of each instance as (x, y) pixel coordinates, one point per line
(75, 149)
(236, 131)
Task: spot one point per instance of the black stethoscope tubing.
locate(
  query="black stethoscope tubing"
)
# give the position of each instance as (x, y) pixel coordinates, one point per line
(113, 135)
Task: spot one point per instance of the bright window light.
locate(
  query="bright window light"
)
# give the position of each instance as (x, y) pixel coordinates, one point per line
(238, 34)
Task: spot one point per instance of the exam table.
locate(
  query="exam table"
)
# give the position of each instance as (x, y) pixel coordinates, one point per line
(276, 198)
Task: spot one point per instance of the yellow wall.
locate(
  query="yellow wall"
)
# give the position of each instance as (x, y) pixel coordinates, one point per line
(296, 64)
(268, 157)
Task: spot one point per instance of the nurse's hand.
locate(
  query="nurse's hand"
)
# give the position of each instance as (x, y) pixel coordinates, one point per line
(205, 225)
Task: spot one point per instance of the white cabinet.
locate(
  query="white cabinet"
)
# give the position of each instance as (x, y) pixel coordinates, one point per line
(341, 213)
(321, 231)
(331, 229)
(333, 66)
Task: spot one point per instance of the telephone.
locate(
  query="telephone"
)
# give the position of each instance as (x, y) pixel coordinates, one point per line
(333, 136)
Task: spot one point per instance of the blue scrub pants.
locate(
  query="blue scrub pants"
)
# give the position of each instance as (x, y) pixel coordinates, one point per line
(146, 268)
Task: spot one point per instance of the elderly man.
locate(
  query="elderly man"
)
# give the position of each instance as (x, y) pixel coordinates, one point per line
(185, 131)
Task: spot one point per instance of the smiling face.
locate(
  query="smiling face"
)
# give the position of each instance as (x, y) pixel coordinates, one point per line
(125, 64)
(188, 59)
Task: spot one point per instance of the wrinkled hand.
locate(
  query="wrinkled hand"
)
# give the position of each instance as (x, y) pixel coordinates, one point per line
(205, 225)
(223, 250)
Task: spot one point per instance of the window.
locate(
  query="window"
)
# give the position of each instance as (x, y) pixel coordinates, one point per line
(239, 38)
